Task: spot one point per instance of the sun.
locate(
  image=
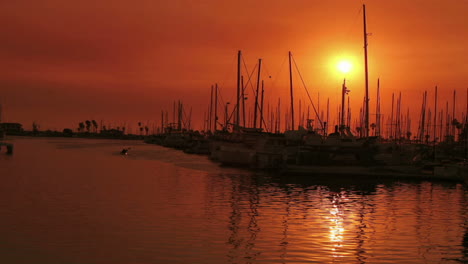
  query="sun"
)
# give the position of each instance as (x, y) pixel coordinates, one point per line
(344, 66)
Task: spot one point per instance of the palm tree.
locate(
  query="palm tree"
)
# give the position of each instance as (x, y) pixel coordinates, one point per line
(95, 125)
(88, 125)
(81, 127)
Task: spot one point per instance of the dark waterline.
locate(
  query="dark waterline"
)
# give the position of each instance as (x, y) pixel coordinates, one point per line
(80, 201)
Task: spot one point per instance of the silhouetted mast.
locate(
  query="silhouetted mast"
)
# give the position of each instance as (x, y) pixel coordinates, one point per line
(179, 116)
(190, 120)
(226, 116)
(243, 101)
(453, 113)
(328, 116)
(238, 89)
(300, 111)
(256, 94)
(447, 118)
(291, 88)
(174, 114)
(279, 116)
(216, 107)
(343, 93)
(423, 117)
(466, 125)
(162, 122)
(210, 109)
(435, 116)
(261, 104)
(366, 121)
(391, 117)
(378, 117)
(398, 118)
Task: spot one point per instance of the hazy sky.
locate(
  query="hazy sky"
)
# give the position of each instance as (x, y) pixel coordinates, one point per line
(63, 62)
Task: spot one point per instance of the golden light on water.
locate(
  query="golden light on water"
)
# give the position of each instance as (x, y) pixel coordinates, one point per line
(336, 226)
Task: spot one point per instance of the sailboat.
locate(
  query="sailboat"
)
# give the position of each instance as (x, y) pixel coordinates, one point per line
(247, 146)
(341, 153)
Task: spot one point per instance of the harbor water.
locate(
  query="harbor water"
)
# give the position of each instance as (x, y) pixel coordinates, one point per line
(75, 201)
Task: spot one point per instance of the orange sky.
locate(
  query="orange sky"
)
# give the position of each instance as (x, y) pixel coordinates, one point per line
(124, 61)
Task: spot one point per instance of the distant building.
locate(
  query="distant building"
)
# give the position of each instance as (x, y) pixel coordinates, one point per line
(12, 128)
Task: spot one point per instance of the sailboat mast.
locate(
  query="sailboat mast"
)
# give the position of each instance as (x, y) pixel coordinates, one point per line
(318, 110)
(291, 88)
(261, 104)
(466, 125)
(343, 93)
(216, 107)
(179, 121)
(423, 117)
(377, 122)
(453, 113)
(435, 116)
(279, 115)
(366, 121)
(391, 117)
(238, 89)
(162, 122)
(190, 120)
(210, 109)
(398, 119)
(243, 101)
(256, 94)
(328, 116)
(173, 115)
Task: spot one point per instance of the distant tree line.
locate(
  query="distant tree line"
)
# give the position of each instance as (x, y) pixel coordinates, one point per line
(91, 126)
(88, 126)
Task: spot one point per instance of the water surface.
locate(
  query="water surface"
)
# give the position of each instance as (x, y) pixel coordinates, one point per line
(80, 201)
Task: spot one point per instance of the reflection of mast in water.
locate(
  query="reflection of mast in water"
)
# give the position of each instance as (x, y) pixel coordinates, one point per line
(253, 225)
(234, 223)
(235, 220)
(361, 233)
(465, 245)
(465, 235)
(284, 241)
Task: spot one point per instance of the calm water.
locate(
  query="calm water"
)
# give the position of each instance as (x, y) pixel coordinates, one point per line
(78, 201)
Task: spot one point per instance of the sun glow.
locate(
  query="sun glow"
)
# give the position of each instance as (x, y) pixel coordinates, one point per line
(344, 66)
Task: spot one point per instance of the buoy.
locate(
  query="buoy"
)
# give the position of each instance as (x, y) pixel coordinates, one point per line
(9, 147)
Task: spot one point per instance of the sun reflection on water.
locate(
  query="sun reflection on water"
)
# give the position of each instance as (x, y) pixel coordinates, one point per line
(336, 227)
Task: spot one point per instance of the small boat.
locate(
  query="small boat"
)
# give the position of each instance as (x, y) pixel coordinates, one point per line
(124, 151)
